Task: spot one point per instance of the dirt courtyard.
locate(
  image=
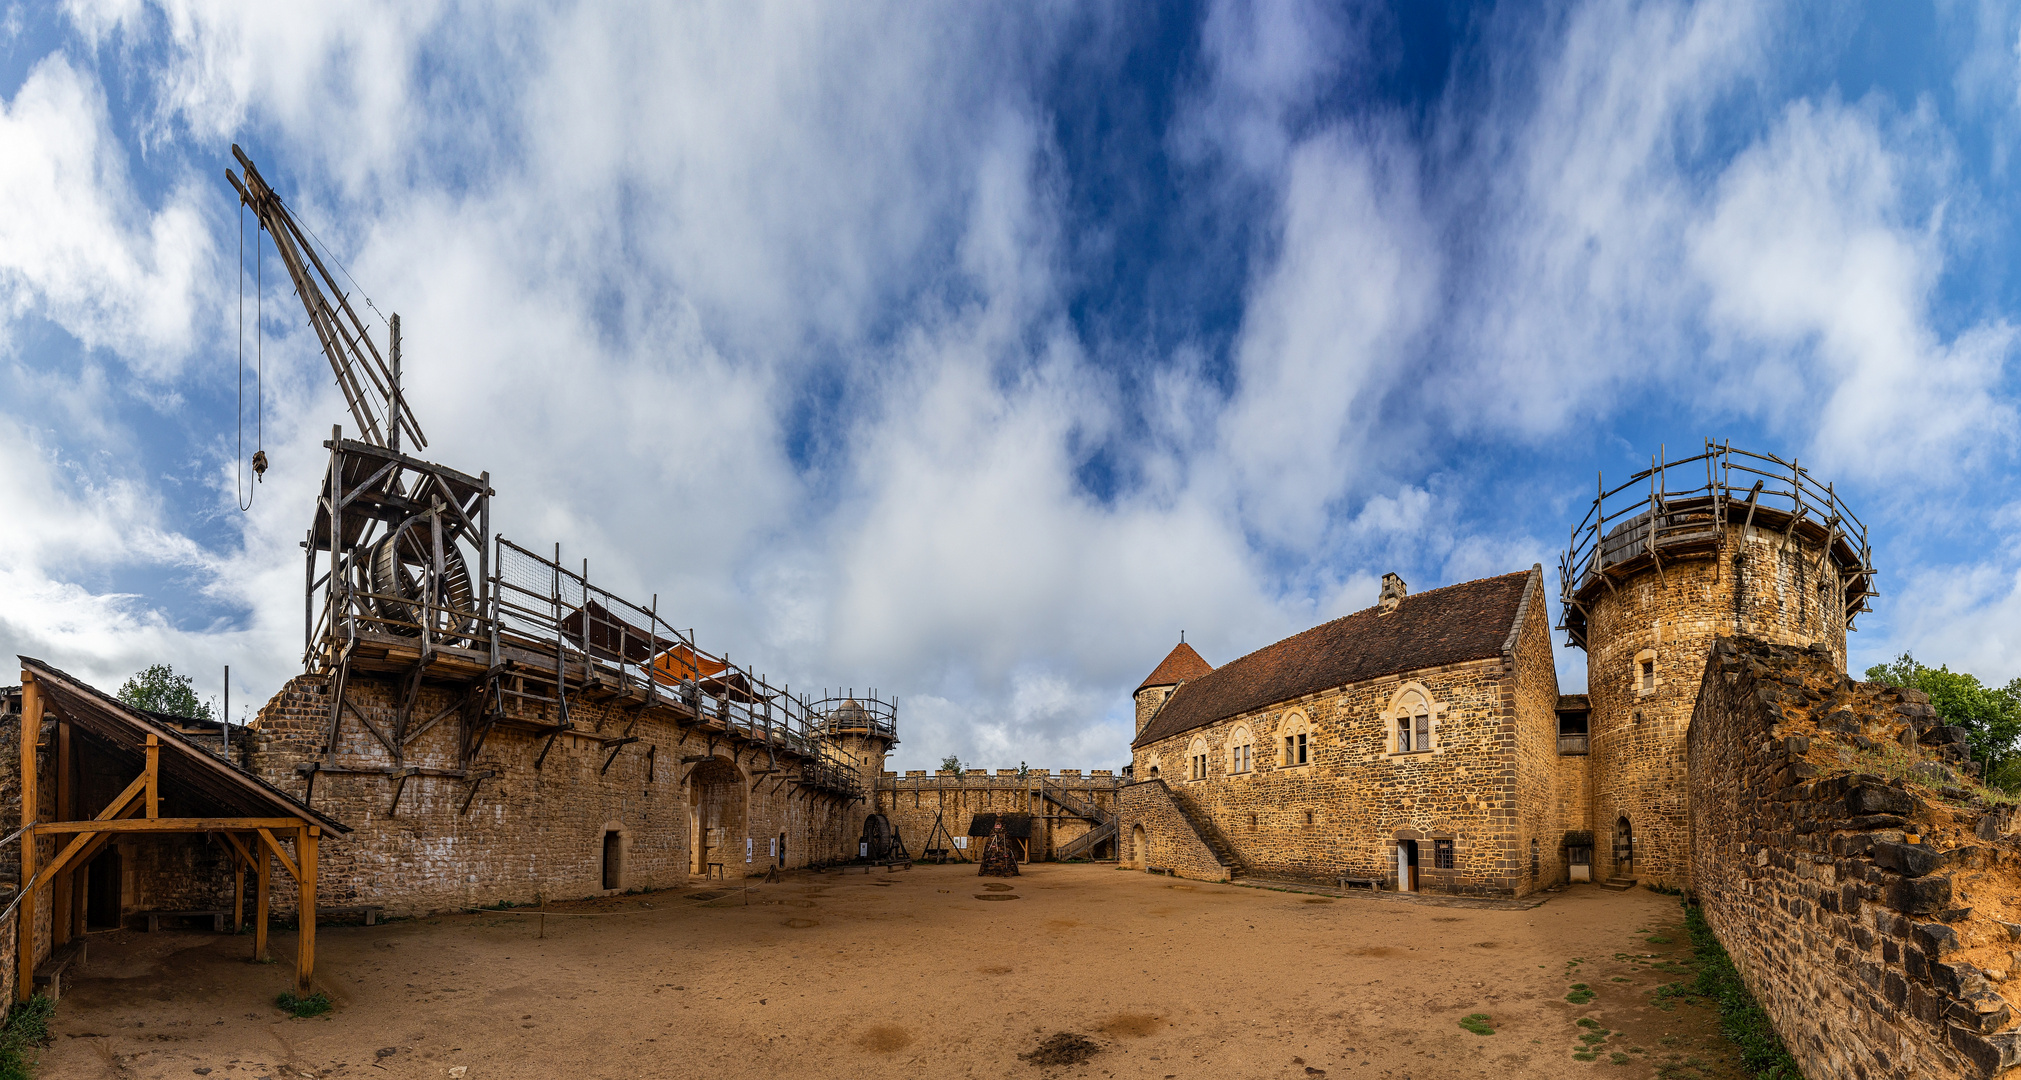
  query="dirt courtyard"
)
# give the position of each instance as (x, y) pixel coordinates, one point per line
(914, 974)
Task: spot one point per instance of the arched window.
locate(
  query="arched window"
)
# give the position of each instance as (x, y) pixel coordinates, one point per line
(1241, 750)
(1294, 740)
(1196, 759)
(1413, 720)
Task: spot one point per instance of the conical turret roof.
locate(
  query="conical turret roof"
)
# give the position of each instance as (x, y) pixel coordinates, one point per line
(1180, 665)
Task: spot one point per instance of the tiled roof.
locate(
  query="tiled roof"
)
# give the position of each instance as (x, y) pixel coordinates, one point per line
(1182, 664)
(1469, 621)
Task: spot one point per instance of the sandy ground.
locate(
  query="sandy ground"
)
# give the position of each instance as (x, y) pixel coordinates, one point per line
(910, 974)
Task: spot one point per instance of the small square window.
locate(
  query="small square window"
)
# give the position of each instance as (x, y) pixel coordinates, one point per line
(1442, 854)
(1308, 817)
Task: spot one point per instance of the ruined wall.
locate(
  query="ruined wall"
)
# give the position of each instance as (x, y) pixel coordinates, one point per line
(535, 832)
(1340, 814)
(1761, 585)
(911, 802)
(1867, 892)
(1157, 836)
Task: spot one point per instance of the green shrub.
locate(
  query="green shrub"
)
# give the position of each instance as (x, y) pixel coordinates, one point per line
(315, 1004)
(1741, 1018)
(1477, 1023)
(26, 1027)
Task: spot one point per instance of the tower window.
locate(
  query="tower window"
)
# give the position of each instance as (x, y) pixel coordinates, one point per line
(1645, 671)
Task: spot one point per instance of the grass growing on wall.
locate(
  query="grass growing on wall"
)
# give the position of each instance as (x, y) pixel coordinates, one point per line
(27, 1027)
(1741, 1018)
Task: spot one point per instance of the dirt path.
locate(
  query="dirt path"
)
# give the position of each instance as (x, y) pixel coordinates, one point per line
(911, 974)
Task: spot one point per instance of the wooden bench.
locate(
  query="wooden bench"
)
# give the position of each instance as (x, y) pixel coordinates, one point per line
(364, 913)
(217, 916)
(714, 872)
(49, 974)
(1369, 883)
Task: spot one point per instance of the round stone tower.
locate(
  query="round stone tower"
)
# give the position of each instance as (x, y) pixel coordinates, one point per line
(862, 733)
(1724, 543)
(1180, 665)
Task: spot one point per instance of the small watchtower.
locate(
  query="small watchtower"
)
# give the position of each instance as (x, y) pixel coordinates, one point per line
(1180, 665)
(1724, 542)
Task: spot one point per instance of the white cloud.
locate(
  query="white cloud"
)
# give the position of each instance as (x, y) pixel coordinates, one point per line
(76, 246)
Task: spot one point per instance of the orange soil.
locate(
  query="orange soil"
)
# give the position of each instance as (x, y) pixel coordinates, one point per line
(909, 974)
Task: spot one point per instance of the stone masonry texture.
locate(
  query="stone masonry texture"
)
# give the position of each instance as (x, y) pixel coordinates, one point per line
(1869, 894)
(1763, 585)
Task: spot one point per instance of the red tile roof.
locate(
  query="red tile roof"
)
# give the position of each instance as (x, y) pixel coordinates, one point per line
(1469, 621)
(1182, 664)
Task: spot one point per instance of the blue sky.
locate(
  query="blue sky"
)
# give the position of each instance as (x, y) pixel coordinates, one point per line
(974, 354)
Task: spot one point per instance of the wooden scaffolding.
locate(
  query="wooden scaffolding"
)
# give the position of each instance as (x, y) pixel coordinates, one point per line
(260, 824)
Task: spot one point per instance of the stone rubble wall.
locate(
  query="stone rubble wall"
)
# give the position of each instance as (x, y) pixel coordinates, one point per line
(1339, 814)
(1869, 894)
(1760, 584)
(910, 802)
(531, 834)
(1170, 843)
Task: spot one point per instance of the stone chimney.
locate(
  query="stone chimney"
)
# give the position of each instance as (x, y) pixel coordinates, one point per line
(1393, 592)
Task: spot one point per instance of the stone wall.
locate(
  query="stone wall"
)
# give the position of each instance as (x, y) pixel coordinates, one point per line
(1868, 893)
(1341, 813)
(1760, 585)
(1157, 835)
(531, 833)
(912, 801)
(1531, 698)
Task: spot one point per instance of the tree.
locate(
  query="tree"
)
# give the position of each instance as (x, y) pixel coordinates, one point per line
(953, 764)
(1991, 716)
(160, 689)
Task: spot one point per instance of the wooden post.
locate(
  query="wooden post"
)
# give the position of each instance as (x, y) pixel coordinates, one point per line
(238, 892)
(263, 884)
(24, 928)
(60, 929)
(305, 917)
(154, 776)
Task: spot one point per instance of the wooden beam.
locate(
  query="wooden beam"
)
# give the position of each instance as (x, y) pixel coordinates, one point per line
(167, 825)
(264, 885)
(306, 840)
(153, 775)
(24, 927)
(59, 891)
(273, 845)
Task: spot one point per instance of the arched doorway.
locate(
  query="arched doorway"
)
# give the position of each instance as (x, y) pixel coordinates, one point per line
(1140, 848)
(1406, 866)
(1624, 846)
(715, 813)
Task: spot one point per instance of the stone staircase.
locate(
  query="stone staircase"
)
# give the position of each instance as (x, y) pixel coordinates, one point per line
(1619, 884)
(1204, 828)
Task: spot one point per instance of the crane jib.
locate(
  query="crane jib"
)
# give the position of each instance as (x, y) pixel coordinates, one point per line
(369, 384)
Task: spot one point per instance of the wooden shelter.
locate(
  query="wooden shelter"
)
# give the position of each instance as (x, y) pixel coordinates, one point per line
(204, 794)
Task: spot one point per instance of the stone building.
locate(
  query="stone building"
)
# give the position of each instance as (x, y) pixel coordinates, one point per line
(1413, 743)
(1073, 813)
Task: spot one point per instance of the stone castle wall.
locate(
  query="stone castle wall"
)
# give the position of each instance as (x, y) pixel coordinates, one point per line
(1874, 918)
(532, 833)
(1340, 814)
(913, 801)
(1761, 585)
(1157, 836)
(1531, 698)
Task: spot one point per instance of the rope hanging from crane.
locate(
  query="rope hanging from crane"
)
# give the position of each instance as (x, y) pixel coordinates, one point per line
(245, 493)
(370, 386)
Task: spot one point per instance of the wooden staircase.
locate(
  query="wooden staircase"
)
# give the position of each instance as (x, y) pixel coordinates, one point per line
(1103, 823)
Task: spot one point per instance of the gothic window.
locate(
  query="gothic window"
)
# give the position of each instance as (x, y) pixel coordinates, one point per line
(1295, 735)
(1241, 750)
(1196, 759)
(1414, 719)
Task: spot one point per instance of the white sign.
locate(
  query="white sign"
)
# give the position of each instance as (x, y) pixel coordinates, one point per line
(863, 850)
(774, 853)
(961, 842)
(747, 849)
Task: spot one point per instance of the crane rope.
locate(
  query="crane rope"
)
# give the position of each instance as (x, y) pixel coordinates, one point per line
(243, 493)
